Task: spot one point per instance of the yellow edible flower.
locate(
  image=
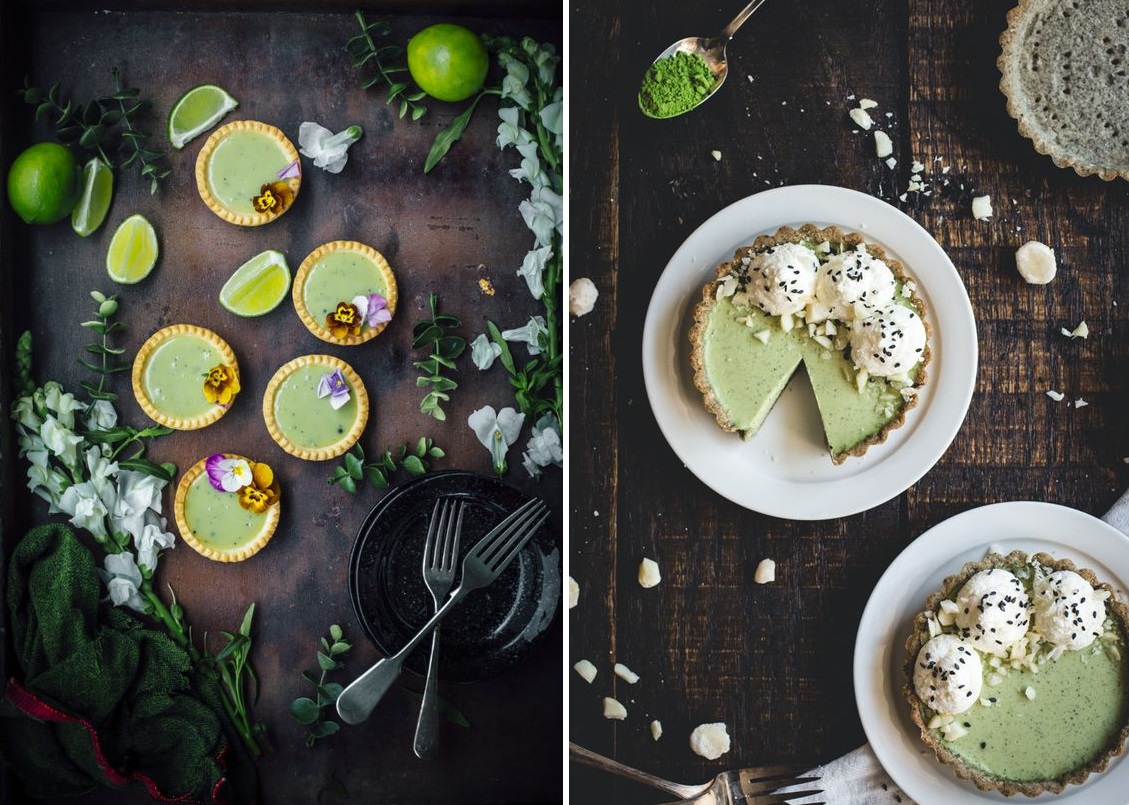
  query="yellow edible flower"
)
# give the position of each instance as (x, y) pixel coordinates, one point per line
(263, 491)
(274, 197)
(345, 320)
(221, 384)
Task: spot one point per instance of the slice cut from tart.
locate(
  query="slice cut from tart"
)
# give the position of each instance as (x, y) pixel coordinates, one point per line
(1016, 674)
(828, 300)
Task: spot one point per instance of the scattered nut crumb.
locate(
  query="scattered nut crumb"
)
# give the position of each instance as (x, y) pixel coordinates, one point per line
(1036, 262)
(582, 295)
(982, 208)
(765, 572)
(656, 729)
(573, 592)
(486, 286)
(883, 146)
(1057, 396)
(711, 741)
(613, 709)
(626, 674)
(586, 670)
(1080, 403)
(649, 574)
(716, 155)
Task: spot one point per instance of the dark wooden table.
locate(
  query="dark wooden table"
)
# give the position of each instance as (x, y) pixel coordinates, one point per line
(442, 232)
(774, 661)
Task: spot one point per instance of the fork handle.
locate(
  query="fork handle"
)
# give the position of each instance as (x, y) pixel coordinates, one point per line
(427, 727)
(589, 758)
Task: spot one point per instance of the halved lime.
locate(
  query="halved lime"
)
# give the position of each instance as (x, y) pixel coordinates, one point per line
(133, 250)
(257, 286)
(97, 190)
(197, 111)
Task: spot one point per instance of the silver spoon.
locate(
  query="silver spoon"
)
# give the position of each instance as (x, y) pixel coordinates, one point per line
(712, 49)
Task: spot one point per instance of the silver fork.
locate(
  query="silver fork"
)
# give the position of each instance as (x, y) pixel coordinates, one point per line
(481, 567)
(440, 553)
(752, 786)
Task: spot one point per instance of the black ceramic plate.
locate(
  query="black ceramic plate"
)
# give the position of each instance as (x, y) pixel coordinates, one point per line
(492, 628)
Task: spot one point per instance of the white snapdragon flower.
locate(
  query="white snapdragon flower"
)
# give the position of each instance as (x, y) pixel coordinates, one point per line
(544, 447)
(86, 509)
(33, 449)
(326, 149)
(484, 352)
(530, 334)
(101, 472)
(543, 213)
(101, 416)
(123, 581)
(61, 441)
(48, 484)
(509, 132)
(23, 411)
(533, 270)
(152, 539)
(496, 431)
(514, 84)
(61, 403)
(137, 493)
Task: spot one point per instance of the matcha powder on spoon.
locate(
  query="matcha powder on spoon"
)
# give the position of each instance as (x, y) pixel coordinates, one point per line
(675, 85)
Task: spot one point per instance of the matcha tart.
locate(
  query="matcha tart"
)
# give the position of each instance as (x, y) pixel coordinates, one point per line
(248, 173)
(823, 298)
(227, 507)
(1016, 674)
(345, 292)
(185, 377)
(315, 407)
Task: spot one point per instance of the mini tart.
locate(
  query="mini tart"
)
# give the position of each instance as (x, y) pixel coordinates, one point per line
(243, 540)
(830, 391)
(291, 398)
(259, 152)
(1111, 648)
(351, 269)
(176, 407)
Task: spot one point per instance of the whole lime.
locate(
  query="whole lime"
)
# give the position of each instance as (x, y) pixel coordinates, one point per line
(448, 61)
(43, 183)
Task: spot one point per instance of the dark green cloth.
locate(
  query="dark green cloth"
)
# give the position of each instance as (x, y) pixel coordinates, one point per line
(94, 661)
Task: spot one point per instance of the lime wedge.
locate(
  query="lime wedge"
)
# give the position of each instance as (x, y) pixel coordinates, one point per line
(257, 286)
(97, 190)
(133, 250)
(197, 111)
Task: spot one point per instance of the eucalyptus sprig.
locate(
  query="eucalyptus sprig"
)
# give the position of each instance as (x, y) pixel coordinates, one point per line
(232, 666)
(101, 126)
(310, 712)
(445, 349)
(364, 50)
(108, 357)
(379, 473)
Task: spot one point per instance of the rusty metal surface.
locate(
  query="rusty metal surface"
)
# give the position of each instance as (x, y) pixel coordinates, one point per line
(441, 232)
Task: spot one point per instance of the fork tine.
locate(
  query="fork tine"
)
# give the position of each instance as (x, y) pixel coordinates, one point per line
(517, 542)
(768, 785)
(454, 532)
(432, 532)
(783, 799)
(501, 544)
(487, 545)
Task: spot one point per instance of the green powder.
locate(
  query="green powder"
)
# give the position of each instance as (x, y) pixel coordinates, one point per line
(675, 85)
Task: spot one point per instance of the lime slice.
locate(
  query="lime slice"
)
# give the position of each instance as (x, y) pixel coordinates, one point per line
(257, 286)
(133, 251)
(97, 183)
(197, 111)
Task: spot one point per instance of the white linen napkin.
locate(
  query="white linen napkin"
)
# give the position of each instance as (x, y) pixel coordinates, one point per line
(858, 778)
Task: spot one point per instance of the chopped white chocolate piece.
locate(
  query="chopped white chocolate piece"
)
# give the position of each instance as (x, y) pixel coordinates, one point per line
(573, 592)
(586, 670)
(787, 322)
(626, 674)
(1080, 403)
(883, 146)
(711, 741)
(582, 295)
(861, 118)
(1029, 693)
(765, 572)
(982, 208)
(1057, 396)
(727, 287)
(1081, 331)
(867, 103)
(716, 155)
(762, 336)
(891, 163)
(613, 709)
(916, 167)
(656, 729)
(649, 574)
(1036, 262)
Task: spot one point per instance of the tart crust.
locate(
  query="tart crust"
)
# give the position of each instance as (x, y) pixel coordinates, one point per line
(205, 156)
(787, 234)
(317, 327)
(918, 708)
(270, 520)
(142, 357)
(342, 444)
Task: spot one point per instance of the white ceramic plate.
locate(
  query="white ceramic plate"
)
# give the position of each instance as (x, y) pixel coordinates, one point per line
(900, 595)
(785, 470)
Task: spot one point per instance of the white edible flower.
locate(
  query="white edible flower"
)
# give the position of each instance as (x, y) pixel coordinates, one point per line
(101, 416)
(543, 213)
(61, 441)
(23, 411)
(61, 403)
(48, 484)
(530, 334)
(514, 84)
(137, 494)
(496, 431)
(552, 117)
(483, 352)
(86, 509)
(123, 581)
(544, 446)
(509, 132)
(152, 540)
(530, 169)
(582, 296)
(326, 149)
(533, 270)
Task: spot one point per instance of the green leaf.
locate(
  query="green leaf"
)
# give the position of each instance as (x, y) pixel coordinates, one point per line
(349, 485)
(245, 627)
(96, 326)
(305, 710)
(447, 320)
(451, 346)
(426, 335)
(421, 447)
(147, 467)
(335, 632)
(323, 729)
(418, 112)
(449, 136)
(388, 462)
(331, 690)
(375, 476)
(506, 357)
(339, 647)
(354, 467)
(436, 452)
(326, 662)
(413, 466)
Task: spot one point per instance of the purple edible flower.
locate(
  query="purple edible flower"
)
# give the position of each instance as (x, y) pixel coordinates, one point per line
(333, 385)
(290, 171)
(373, 309)
(227, 474)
